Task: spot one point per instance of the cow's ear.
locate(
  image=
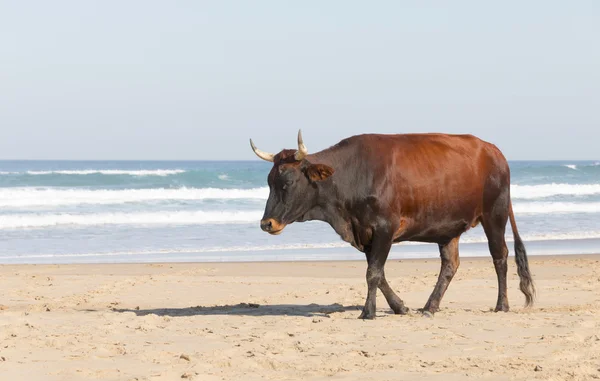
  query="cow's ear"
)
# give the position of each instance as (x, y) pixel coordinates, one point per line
(318, 172)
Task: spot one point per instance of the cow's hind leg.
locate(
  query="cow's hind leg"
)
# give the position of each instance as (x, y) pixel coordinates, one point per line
(450, 263)
(494, 230)
(494, 221)
(377, 254)
(396, 304)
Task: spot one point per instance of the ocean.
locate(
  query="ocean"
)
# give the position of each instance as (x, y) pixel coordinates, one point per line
(195, 211)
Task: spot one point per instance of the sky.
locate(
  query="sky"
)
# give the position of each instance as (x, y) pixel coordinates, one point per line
(193, 80)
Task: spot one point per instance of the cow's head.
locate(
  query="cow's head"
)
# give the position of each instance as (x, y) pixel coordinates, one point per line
(293, 186)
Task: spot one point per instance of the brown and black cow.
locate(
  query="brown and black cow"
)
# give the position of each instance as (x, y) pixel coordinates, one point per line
(376, 190)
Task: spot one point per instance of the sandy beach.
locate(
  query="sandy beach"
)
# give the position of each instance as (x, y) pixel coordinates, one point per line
(294, 320)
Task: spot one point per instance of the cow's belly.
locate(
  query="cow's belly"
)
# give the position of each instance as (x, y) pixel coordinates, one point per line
(439, 226)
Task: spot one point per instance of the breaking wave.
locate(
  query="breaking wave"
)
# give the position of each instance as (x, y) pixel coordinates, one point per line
(41, 220)
(556, 207)
(13, 221)
(50, 197)
(35, 197)
(550, 190)
(153, 172)
(84, 172)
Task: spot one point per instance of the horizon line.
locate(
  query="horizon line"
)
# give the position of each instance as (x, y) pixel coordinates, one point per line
(230, 160)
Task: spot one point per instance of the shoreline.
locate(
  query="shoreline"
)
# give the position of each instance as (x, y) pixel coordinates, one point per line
(474, 258)
(393, 257)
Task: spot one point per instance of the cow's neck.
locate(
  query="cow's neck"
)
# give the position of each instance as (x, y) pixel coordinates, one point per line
(332, 201)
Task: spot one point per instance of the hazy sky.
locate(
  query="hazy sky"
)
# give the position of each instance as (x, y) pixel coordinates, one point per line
(196, 79)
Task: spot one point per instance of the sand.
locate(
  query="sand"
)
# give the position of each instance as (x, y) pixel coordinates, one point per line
(294, 321)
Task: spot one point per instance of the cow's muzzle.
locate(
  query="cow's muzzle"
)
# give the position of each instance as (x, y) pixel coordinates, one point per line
(271, 226)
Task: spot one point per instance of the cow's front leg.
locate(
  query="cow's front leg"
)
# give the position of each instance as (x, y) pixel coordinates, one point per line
(377, 254)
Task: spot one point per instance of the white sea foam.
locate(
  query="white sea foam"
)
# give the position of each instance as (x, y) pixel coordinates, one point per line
(42, 220)
(51, 197)
(549, 190)
(151, 172)
(556, 207)
(48, 197)
(571, 166)
(13, 221)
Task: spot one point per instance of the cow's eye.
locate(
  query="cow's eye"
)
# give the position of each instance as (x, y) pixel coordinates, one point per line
(287, 184)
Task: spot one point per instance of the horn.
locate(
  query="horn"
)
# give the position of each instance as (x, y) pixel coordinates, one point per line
(262, 154)
(302, 151)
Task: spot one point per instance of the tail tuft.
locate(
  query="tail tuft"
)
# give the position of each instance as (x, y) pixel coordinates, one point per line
(526, 284)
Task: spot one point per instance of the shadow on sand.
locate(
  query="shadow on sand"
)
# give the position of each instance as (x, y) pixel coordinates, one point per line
(247, 309)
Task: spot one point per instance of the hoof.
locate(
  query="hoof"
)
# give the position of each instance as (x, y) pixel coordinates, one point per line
(502, 309)
(401, 310)
(427, 314)
(366, 316)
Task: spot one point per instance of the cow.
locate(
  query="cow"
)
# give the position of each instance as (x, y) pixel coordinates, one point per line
(375, 190)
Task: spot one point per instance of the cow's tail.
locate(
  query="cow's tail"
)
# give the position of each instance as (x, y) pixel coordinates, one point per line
(526, 284)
